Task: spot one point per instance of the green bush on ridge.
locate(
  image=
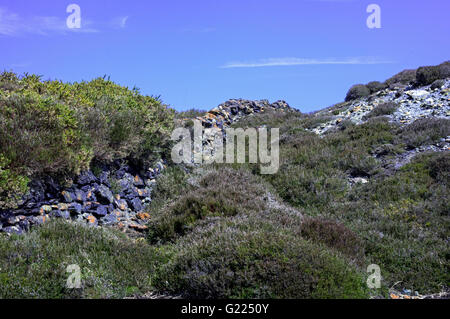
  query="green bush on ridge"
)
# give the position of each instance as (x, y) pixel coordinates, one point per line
(63, 126)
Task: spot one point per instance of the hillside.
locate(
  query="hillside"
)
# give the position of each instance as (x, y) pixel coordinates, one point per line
(86, 178)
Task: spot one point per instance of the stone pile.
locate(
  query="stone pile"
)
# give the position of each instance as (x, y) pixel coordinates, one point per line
(114, 196)
(222, 116)
(232, 110)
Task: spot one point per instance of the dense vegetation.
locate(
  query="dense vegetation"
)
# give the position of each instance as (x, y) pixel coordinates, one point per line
(400, 217)
(64, 126)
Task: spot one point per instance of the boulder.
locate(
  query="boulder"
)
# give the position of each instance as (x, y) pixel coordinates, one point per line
(109, 219)
(101, 211)
(80, 196)
(86, 178)
(104, 195)
(136, 205)
(75, 208)
(13, 230)
(67, 196)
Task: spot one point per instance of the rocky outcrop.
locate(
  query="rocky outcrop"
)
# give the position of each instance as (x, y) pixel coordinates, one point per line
(413, 103)
(221, 117)
(114, 196)
(232, 110)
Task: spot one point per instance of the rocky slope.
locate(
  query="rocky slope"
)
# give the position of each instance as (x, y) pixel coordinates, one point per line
(411, 104)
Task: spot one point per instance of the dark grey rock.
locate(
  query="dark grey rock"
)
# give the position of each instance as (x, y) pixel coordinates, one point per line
(104, 178)
(67, 196)
(121, 204)
(138, 181)
(75, 208)
(11, 221)
(25, 224)
(79, 196)
(13, 230)
(104, 195)
(109, 219)
(61, 214)
(101, 211)
(136, 205)
(86, 178)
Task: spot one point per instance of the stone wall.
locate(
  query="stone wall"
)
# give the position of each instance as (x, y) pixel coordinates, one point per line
(116, 195)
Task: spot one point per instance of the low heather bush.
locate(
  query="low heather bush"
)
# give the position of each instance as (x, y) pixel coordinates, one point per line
(357, 91)
(335, 235)
(405, 77)
(383, 109)
(428, 74)
(239, 259)
(376, 86)
(424, 131)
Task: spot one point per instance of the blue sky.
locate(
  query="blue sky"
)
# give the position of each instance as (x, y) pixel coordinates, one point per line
(198, 54)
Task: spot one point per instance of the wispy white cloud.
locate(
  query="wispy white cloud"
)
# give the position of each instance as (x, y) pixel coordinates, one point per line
(303, 61)
(11, 24)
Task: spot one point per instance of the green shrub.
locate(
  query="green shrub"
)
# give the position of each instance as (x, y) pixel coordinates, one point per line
(428, 74)
(439, 166)
(375, 86)
(335, 235)
(221, 193)
(424, 131)
(47, 130)
(383, 109)
(12, 186)
(405, 77)
(356, 92)
(34, 265)
(238, 259)
(63, 126)
(190, 114)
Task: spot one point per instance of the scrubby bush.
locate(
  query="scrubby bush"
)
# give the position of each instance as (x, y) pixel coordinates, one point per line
(112, 266)
(220, 193)
(382, 109)
(356, 92)
(51, 127)
(12, 186)
(335, 235)
(424, 131)
(376, 86)
(405, 77)
(189, 114)
(439, 166)
(238, 259)
(428, 74)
